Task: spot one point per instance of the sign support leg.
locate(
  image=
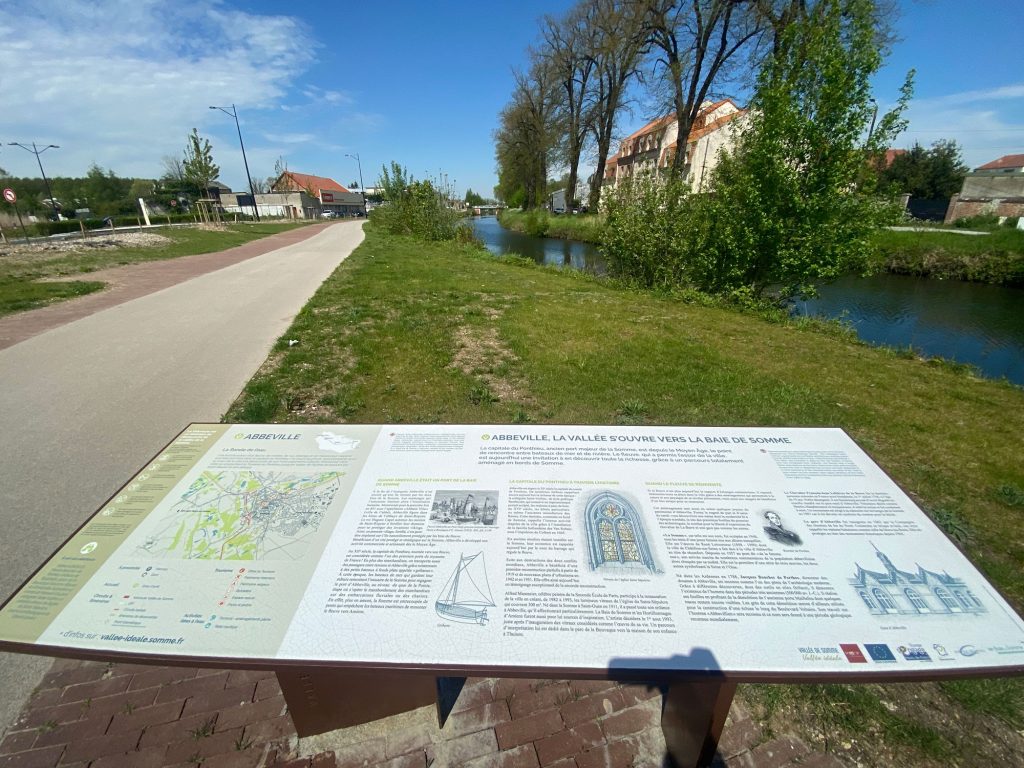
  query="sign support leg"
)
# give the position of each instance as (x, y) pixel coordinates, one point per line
(321, 699)
(692, 719)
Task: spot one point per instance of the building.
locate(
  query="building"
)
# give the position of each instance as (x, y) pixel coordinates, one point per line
(653, 147)
(912, 592)
(329, 193)
(281, 205)
(995, 188)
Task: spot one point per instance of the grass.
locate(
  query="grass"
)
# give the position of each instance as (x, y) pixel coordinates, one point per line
(997, 257)
(19, 273)
(588, 228)
(406, 331)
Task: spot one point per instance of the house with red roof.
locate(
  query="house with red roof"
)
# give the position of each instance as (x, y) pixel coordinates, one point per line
(332, 196)
(995, 188)
(652, 147)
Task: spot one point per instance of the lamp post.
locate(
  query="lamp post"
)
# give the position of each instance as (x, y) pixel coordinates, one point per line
(37, 152)
(362, 189)
(874, 115)
(252, 189)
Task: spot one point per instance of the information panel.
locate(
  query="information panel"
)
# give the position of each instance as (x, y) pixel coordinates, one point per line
(750, 550)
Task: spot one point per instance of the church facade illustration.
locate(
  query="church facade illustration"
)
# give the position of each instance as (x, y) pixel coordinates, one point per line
(615, 534)
(919, 592)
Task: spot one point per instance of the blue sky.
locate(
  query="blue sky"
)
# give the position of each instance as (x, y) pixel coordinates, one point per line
(122, 82)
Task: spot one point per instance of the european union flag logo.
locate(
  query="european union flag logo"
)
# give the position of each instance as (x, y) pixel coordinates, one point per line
(879, 652)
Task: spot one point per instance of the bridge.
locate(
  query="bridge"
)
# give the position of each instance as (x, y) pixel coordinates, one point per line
(486, 210)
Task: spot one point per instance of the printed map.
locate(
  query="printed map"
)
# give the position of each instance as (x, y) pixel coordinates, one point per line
(244, 516)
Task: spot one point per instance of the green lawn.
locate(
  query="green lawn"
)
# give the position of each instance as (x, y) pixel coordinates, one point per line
(406, 331)
(20, 271)
(997, 257)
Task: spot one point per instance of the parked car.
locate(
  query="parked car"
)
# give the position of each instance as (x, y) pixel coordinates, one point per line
(329, 215)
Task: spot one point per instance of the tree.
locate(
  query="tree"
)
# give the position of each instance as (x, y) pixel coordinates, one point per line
(693, 44)
(793, 206)
(198, 167)
(472, 198)
(799, 206)
(618, 43)
(526, 137)
(930, 174)
(567, 45)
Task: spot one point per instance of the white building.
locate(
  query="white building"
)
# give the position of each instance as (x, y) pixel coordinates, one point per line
(654, 146)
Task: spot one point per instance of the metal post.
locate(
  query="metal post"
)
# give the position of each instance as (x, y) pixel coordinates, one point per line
(37, 152)
(252, 189)
(874, 114)
(362, 189)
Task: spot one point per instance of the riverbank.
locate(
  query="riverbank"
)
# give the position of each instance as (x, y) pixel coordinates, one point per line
(586, 228)
(29, 274)
(996, 257)
(407, 331)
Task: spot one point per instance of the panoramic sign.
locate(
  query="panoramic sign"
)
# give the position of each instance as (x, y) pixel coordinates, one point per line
(750, 550)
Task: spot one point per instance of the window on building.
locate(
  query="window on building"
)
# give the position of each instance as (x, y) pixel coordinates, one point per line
(947, 599)
(615, 533)
(867, 600)
(915, 600)
(884, 599)
(962, 599)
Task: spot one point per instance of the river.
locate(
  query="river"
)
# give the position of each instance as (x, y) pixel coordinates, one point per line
(974, 323)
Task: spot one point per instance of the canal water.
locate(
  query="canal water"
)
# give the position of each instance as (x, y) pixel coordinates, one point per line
(974, 323)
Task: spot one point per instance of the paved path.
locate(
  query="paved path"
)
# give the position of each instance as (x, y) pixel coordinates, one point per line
(98, 385)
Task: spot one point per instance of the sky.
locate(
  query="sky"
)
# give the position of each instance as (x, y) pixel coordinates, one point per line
(121, 83)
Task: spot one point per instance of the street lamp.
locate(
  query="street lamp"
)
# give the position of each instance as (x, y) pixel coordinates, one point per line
(252, 189)
(874, 115)
(37, 152)
(362, 189)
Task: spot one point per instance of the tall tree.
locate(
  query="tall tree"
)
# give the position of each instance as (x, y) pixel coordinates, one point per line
(567, 42)
(198, 167)
(930, 174)
(792, 206)
(525, 139)
(694, 44)
(618, 43)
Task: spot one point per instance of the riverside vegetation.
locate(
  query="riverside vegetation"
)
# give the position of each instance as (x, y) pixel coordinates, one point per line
(22, 269)
(442, 332)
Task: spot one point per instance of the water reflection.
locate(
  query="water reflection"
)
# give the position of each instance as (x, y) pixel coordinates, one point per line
(968, 322)
(543, 250)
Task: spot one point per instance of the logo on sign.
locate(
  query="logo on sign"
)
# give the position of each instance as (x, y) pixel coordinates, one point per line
(327, 197)
(9, 195)
(853, 653)
(914, 652)
(879, 652)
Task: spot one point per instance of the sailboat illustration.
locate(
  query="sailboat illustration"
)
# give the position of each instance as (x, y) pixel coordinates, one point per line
(466, 595)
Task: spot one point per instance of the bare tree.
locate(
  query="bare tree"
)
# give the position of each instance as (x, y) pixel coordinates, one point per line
(174, 168)
(693, 43)
(568, 42)
(618, 44)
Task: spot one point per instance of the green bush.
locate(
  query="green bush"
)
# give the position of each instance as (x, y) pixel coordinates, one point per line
(974, 222)
(418, 208)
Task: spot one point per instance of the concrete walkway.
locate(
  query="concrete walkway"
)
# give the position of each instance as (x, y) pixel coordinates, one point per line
(91, 388)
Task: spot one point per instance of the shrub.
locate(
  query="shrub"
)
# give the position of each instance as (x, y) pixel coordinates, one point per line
(974, 222)
(418, 208)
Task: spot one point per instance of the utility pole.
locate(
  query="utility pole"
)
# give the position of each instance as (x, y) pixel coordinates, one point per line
(252, 189)
(37, 152)
(362, 189)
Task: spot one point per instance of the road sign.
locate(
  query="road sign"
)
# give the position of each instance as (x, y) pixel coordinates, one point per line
(9, 195)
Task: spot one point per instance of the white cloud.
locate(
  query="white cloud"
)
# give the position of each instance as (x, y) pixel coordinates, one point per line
(122, 82)
(290, 138)
(987, 123)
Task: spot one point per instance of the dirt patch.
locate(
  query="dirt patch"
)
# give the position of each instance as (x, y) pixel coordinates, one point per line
(45, 248)
(481, 353)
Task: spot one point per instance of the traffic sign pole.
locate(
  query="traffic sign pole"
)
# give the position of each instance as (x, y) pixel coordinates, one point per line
(12, 198)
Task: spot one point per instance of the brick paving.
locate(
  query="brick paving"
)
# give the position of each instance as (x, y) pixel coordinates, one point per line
(96, 715)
